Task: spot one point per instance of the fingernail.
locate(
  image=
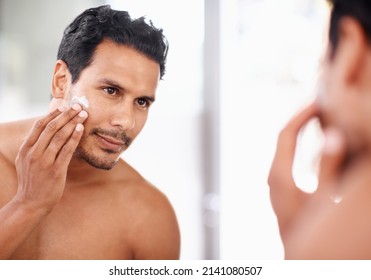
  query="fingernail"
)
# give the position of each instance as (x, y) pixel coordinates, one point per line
(333, 141)
(79, 127)
(83, 114)
(76, 107)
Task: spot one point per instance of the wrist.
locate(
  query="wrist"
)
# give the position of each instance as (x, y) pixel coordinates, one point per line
(30, 206)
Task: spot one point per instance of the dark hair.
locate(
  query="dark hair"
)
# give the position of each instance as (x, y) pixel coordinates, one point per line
(90, 28)
(357, 9)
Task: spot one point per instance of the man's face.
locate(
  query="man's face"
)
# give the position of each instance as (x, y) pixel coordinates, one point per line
(120, 86)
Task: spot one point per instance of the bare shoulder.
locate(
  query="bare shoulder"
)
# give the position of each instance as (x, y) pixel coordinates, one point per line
(155, 231)
(15, 133)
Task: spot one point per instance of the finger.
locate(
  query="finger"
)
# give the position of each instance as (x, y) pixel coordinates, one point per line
(282, 165)
(332, 157)
(66, 153)
(39, 126)
(54, 126)
(62, 136)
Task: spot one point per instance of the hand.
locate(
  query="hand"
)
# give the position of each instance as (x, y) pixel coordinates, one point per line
(286, 198)
(314, 225)
(44, 156)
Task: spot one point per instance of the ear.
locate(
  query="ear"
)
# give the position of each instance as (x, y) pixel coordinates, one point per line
(61, 80)
(351, 51)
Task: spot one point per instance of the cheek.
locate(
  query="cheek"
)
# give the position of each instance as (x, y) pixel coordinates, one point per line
(141, 120)
(330, 100)
(82, 100)
(325, 88)
(321, 94)
(77, 95)
(96, 114)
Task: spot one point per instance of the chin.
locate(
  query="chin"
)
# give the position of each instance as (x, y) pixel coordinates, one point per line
(100, 165)
(103, 162)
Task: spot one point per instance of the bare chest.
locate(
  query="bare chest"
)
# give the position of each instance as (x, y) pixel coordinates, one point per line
(74, 240)
(81, 226)
(91, 223)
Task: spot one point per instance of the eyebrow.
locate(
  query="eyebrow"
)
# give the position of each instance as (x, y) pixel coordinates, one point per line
(114, 84)
(111, 83)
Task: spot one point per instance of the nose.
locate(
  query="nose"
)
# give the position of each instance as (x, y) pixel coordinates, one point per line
(123, 117)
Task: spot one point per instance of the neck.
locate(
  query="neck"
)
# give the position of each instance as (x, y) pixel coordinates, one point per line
(81, 173)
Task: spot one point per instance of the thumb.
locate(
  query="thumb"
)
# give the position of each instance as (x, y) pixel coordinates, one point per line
(332, 157)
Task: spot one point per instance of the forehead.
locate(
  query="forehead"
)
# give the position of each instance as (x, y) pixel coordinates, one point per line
(123, 64)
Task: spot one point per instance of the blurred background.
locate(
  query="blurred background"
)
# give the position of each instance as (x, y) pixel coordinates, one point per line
(237, 71)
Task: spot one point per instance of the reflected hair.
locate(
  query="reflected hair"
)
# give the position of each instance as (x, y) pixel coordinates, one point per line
(89, 29)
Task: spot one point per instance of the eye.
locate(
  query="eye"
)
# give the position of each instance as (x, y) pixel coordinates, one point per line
(110, 90)
(143, 103)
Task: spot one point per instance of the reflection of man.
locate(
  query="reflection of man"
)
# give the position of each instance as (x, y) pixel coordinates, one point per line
(317, 226)
(65, 192)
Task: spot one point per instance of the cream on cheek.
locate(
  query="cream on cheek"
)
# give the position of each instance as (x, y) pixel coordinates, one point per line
(82, 100)
(97, 110)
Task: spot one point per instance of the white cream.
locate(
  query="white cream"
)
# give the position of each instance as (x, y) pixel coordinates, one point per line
(82, 100)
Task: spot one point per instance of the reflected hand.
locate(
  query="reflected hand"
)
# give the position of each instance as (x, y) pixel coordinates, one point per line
(286, 198)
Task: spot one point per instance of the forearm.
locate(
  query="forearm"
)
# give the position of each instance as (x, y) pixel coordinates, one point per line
(41, 166)
(17, 221)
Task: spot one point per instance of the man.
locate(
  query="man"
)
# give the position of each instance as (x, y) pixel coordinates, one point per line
(334, 222)
(65, 193)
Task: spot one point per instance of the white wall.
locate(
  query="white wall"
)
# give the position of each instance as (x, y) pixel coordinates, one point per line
(30, 33)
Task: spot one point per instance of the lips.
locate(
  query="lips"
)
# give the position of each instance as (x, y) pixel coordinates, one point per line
(110, 143)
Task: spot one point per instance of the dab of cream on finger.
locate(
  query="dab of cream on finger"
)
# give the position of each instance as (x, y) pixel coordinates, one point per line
(79, 127)
(82, 100)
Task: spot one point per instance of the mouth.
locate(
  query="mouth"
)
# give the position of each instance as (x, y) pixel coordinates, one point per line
(109, 143)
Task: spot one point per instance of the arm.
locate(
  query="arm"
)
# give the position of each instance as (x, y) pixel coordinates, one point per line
(41, 166)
